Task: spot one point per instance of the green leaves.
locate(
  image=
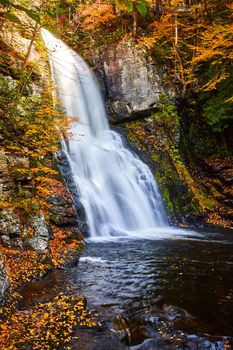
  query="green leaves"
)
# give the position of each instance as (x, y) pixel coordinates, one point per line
(12, 17)
(50, 14)
(5, 3)
(129, 5)
(141, 6)
(33, 14)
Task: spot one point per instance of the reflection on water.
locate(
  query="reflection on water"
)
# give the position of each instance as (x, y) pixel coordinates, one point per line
(175, 293)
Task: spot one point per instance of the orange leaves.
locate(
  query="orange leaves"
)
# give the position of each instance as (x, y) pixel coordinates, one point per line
(217, 220)
(23, 266)
(188, 36)
(46, 326)
(159, 31)
(96, 16)
(64, 241)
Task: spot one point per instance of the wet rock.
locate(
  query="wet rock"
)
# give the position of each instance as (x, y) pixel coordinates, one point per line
(41, 233)
(227, 177)
(6, 182)
(5, 241)
(57, 200)
(19, 168)
(148, 344)
(3, 277)
(215, 165)
(62, 211)
(61, 216)
(113, 343)
(64, 167)
(9, 225)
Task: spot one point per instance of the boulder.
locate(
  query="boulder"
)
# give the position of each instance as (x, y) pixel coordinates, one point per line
(9, 226)
(41, 233)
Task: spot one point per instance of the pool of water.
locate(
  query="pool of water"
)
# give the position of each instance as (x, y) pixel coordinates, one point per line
(170, 290)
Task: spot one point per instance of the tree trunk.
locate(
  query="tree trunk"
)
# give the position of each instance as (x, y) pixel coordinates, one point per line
(35, 30)
(57, 15)
(157, 10)
(70, 12)
(135, 17)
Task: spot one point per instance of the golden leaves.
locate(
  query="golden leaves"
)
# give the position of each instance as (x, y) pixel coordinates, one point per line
(63, 242)
(215, 42)
(46, 326)
(23, 266)
(212, 84)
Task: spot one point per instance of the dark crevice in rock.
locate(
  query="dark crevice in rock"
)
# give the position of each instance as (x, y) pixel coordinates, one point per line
(66, 172)
(135, 115)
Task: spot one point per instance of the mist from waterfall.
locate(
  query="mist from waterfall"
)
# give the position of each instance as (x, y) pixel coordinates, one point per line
(116, 188)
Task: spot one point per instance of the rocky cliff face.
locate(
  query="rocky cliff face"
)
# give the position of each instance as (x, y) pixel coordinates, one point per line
(53, 239)
(133, 82)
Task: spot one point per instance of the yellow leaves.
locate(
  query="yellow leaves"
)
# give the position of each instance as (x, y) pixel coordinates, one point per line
(215, 42)
(187, 40)
(23, 266)
(46, 325)
(160, 30)
(43, 169)
(230, 99)
(40, 128)
(215, 219)
(5, 204)
(205, 54)
(215, 46)
(212, 84)
(60, 246)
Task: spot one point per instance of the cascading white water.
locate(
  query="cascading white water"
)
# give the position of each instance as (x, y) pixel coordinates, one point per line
(117, 189)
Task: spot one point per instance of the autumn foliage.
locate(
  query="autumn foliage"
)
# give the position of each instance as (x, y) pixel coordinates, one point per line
(96, 16)
(46, 326)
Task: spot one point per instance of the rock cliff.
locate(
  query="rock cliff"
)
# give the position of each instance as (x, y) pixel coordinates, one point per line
(133, 82)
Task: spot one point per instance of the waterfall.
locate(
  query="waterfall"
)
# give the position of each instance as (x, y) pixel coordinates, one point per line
(116, 188)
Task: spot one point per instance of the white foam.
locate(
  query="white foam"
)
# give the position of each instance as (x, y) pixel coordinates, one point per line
(91, 259)
(160, 233)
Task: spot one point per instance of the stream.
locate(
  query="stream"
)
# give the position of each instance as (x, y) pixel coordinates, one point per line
(174, 291)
